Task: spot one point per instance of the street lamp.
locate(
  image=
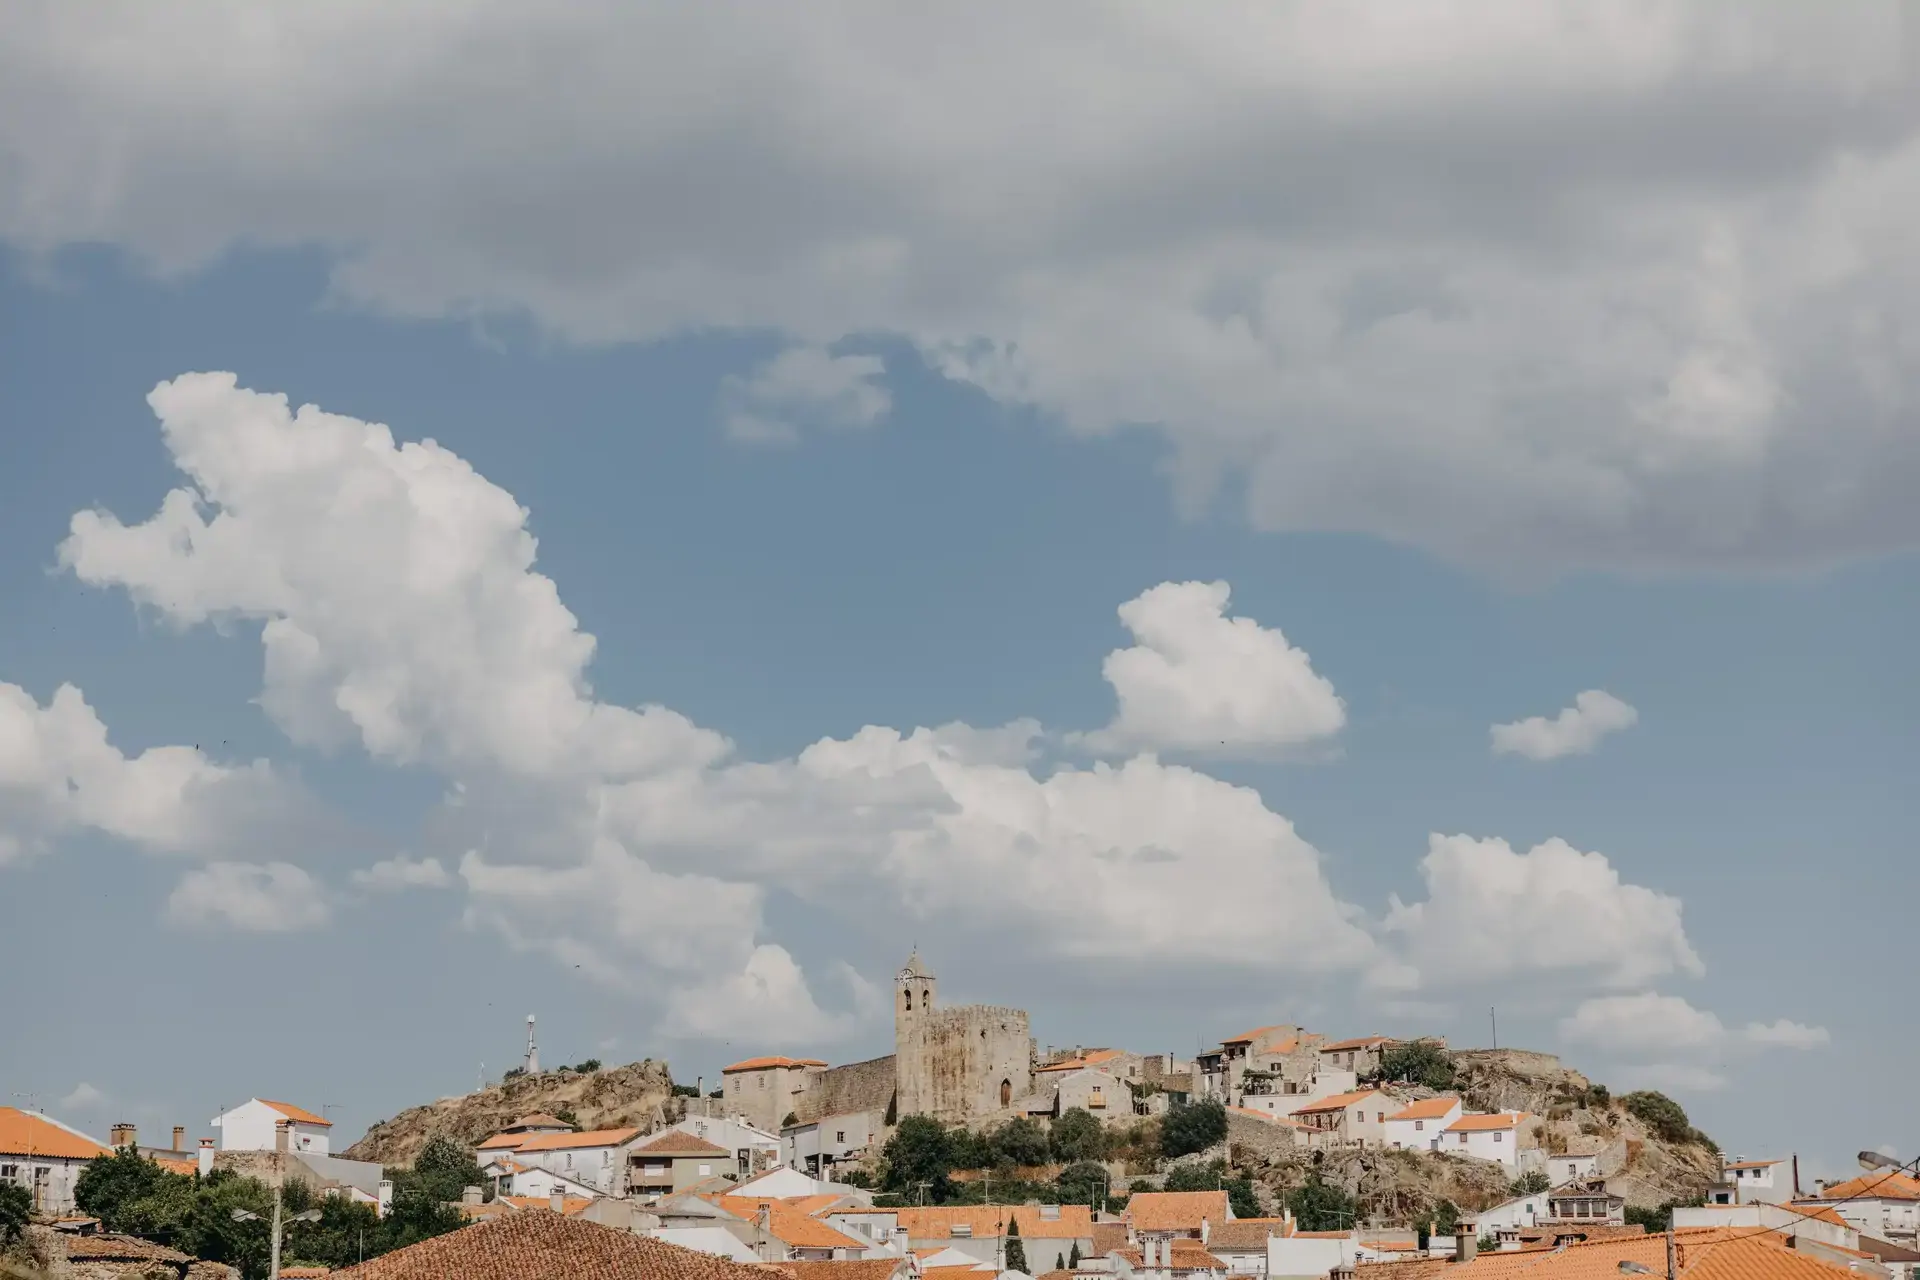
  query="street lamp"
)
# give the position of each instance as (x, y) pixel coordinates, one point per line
(278, 1228)
(1878, 1160)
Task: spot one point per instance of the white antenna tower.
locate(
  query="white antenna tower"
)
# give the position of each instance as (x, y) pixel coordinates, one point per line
(533, 1052)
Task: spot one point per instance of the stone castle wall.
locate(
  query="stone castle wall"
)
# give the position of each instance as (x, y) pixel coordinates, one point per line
(965, 1061)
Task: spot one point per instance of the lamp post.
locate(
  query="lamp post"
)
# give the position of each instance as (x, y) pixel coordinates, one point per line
(278, 1228)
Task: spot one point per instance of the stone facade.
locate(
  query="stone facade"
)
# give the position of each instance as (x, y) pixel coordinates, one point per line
(955, 1064)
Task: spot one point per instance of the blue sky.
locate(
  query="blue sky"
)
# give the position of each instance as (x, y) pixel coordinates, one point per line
(1471, 460)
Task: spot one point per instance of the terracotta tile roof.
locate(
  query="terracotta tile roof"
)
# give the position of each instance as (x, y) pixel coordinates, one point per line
(1363, 1042)
(851, 1269)
(1243, 1235)
(1714, 1254)
(1248, 1037)
(1186, 1255)
(185, 1168)
(1820, 1211)
(1486, 1124)
(1751, 1164)
(568, 1206)
(539, 1120)
(570, 1141)
(117, 1248)
(1340, 1101)
(1058, 1274)
(675, 1142)
(952, 1273)
(1108, 1236)
(546, 1246)
(989, 1221)
(1890, 1184)
(1403, 1269)
(300, 1114)
(1173, 1210)
(820, 1204)
(1427, 1108)
(505, 1141)
(304, 1273)
(26, 1133)
(790, 1226)
(763, 1064)
(1092, 1058)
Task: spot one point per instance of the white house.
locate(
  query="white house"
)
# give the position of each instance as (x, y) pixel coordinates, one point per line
(1753, 1181)
(1359, 1056)
(1418, 1127)
(511, 1177)
(254, 1125)
(1311, 1254)
(1516, 1214)
(817, 1146)
(1283, 1097)
(754, 1150)
(44, 1157)
(1572, 1167)
(1822, 1224)
(1884, 1205)
(1350, 1119)
(597, 1159)
(1495, 1137)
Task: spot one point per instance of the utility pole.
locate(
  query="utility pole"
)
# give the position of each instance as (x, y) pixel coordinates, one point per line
(1494, 1021)
(1672, 1274)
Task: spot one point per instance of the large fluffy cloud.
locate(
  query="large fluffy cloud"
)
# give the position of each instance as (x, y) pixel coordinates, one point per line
(1509, 280)
(1493, 914)
(1661, 1026)
(1576, 730)
(274, 897)
(1200, 681)
(59, 773)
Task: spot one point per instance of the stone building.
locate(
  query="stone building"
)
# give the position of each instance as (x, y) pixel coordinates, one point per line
(959, 1063)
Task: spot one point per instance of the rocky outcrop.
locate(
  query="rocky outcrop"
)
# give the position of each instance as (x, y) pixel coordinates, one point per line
(638, 1094)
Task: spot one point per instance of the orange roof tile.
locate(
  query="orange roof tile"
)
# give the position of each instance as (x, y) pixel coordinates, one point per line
(1486, 1124)
(1248, 1037)
(1340, 1101)
(300, 1114)
(1751, 1164)
(547, 1246)
(763, 1064)
(988, 1221)
(28, 1133)
(1427, 1108)
(850, 1269)
(1186, 1255)
(1362, 1042)
(1711, 1254)
(674, 1142)
(568, 1204)
(1091, 1058)
(505, 1141)
(571, 1141)
(1174, 1210)
(1889, 1184)
(788, 1225)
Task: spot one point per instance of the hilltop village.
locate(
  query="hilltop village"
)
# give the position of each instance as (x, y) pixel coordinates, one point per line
(969, 1154)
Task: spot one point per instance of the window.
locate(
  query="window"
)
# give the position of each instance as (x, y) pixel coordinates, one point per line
(706, 1171)
(1418, 1125)
(839, 1135)
(1006, 1092)
(1463, 1139)
(1498, 1136)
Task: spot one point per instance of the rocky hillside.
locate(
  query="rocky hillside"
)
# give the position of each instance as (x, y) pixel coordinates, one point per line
(618, 1096)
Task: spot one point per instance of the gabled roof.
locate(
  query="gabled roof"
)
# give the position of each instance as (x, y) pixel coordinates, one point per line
(540, 1245)
(1091, 1058)
(765, 1064)
(1710, 1254)
(1889, 1184)
(1427, 1108)
(505, 1141)
(30, 1133)
(1363, 1042)
(1248, 1037)
(573, 1141)
(790, 1226)
(299, 1114)
(850, 1269)
(1243, 1235)
(678, 1142)
(1340, 1101)
(1174, 1210)
(1074, 1221)
(570, 1205)
(1751, 1164)
(1500, 1120)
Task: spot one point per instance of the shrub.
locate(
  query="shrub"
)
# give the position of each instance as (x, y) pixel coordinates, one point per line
(1418, 1062)
(1664, 1117)
(1191, 1128)
(1321, 1206)
(1077, 1136)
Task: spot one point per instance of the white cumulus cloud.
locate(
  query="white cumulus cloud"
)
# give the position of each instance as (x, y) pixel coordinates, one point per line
(1652, 1025)
(398, 873)
(83, 1097)
(1201, 681)
(1504, 280)
(803, 386)
(1576, 730)
(274, 897)
(1493, 914)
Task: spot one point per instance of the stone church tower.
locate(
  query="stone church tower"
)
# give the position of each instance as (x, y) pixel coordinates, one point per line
(955, 1064)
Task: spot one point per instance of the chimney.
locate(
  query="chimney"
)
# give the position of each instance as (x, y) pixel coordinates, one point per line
(385, 1195)
(282, 1132)
(557, 1201)
(206, 1156)
(179, 1137)
(900, 1241)
(1465, 1242)
(123, 1135)
(470, 1195)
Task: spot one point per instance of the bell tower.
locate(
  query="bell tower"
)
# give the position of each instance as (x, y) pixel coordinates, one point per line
(913, 995)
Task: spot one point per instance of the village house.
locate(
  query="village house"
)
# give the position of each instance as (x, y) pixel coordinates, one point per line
(1884, 1205)
(1220, 1070)
(1094, 1090)
(765, 1091)
(254, 1126)
(979, 1231)
(1822, 1223)
(1495, 1137)
(1750, 1181)
(513, 1180)
(673, 1161)
(754, 1150)
(44, 1157)
(1357, 1119)
(780, 1232)
(1418, 1126)
(1360, 1056)
(818, 1147)
(1164, 1257)
(1115, 1062)
(1241, 1244)
(1585, 1203)
(1311, 1255)
(596, 1159)
(1175, 1214)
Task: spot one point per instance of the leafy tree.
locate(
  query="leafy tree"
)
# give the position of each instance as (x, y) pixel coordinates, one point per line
(1240, 1198)
(1446, 1218)
(1082, 1183)
(1531, 1183)
(16, 1205)
(790, 1119)
(685, 1091)
(918, 1152)
(1198, 1177)
(1077, 1136)
(1661, 1114)
(969, 1150)
(568, 1116)
(1016, 1252)
(1194, 1127)
(588, 1067)
(1321, 1206)
(1658, 1220)
(110, 1186)
(1073, 1257)
(1419, 1062)
(1020, 1143)
(1059, 1261)
(442, 1171)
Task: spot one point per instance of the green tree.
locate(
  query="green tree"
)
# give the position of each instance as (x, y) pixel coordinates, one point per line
(1077, 1136)
(1419, 1062)
(16, 1206)
(1020, 1143)
(1531, 1183)
(443, 1170)
(1321, 1206)
(1198, 1177)
(1082, 1183)
(588, 1067)
(969, 1150)
(1073, 1257)
(1059, 1261)
(1446, 1218)
(918, 1152)
(1194, 1127)
(1241, 1199)
(110, 1186)
(1016, 1252)
(1661, 1114)
(1658, 1220)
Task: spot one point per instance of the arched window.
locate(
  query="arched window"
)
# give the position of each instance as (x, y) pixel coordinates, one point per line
(909, 995)
(1006, 1092)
